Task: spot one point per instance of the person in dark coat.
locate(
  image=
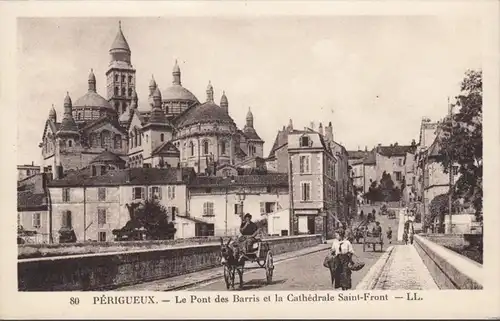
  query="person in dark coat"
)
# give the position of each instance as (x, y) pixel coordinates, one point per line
(343, 252)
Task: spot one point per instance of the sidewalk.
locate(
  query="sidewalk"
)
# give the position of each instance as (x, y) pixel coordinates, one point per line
(183, 281)
(404, 270)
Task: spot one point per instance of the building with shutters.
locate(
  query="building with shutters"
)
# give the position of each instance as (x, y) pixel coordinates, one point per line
(93, 203)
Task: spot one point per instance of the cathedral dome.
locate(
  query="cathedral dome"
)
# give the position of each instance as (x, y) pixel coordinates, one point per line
(178, 93)
(207, 113)
(93, 100)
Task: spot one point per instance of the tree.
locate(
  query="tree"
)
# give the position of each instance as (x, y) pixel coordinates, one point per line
(462, 142)
(439, 208)
(150, 218)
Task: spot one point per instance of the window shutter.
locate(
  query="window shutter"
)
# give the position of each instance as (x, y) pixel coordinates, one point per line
(236, 208)
(159, 193)
(173, 192)
(68, 219)
(64, 222)
(301, 164)
(262, 207)
(143, 192)
(174, 212)
(151, 194)
(205, 209)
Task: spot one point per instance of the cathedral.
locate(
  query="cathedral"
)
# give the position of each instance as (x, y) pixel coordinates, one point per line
(172, 129)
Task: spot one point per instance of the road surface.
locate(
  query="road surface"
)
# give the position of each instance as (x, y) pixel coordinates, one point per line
(304, 273)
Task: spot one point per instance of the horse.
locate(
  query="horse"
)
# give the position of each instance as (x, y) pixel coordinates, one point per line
(230, 254)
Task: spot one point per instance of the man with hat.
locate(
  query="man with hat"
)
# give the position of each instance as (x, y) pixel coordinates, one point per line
(249, 231)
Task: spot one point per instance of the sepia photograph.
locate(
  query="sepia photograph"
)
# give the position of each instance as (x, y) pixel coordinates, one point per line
(180, 182)
(310, 158)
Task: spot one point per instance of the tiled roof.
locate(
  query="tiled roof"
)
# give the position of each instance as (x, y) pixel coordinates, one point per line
(27, 201)
(353, 154)
(395, 150)
(166, 148)
(275, 179)
(120, 43)
(108, 157)
(131, 176)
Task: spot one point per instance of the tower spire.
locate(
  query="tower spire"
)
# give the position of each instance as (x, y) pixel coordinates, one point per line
(176, 73)
(210, 92)
(249, 118)
(92, 82)
(152, 86)
(68, 125)
(223, 102)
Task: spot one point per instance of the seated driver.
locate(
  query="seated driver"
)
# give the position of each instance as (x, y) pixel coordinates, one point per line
(249, 231)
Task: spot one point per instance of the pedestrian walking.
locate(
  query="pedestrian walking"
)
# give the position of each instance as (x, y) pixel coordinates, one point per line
(411, 236)
(405, 236)
(340, 270)
(389, 234)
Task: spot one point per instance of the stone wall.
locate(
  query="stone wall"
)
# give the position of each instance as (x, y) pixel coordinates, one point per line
(105, 271)
(449, 270)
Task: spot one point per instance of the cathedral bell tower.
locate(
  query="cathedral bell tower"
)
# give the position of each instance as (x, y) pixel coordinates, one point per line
(120, 77)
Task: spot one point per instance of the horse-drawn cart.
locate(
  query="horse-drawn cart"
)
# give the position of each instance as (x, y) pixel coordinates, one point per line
(372, 239)
(234, 261)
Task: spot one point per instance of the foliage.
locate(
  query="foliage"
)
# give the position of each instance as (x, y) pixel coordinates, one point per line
(149, 218)
(462, 142)
(386, 191)
(439, 208)
(67, 235)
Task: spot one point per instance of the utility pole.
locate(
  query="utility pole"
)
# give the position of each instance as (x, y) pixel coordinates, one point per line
(450, 188)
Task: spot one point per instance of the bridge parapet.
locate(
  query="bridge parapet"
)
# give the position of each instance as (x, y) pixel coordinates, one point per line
(106, 271)
(449, 269)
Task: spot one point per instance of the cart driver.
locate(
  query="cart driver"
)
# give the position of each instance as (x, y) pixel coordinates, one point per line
(249, 231)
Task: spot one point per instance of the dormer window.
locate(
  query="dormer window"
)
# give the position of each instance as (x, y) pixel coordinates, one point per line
(305, 141)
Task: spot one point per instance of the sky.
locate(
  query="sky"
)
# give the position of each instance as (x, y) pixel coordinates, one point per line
(373, 77)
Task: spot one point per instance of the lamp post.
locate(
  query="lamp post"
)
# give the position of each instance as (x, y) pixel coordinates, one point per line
(241, 198)
(450, 188)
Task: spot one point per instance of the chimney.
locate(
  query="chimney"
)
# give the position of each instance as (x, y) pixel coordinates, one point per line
(366, 148)
(179, 174)
(32, 163)
(320, 129)
(312, 125)
(329, 132)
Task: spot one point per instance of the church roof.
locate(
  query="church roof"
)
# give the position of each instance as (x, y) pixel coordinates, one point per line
(93, 100)
(206, 113)
(120, 43)
(251, 134)
(107, 157)
(165, 148)
(176, 92)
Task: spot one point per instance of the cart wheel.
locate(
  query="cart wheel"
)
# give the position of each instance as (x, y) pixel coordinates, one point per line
(269, 267)
(227, 276)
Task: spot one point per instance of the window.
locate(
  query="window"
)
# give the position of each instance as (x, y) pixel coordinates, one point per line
(251, 150)
(208, 209)
(70, 143)
(93, 141)
(116, 91)
(18, 219)
(123, 78)
(398, 176)
(223, 148)
(65, 195)
(171, 192)
(102, 236)
(155, 193)
(123, 91)
(455, 170)
(37, 221)
(130, 92)
(305, 191)
(66, 220)
(124, 108)
(162, 137)
(305, 167)
(129, 79)
(94, 171)
(118, 141)
(116, 77)
(205, 148)
(400, 162)
(146, 138)
(267, 207)
(138, 193)
(101, 217)
(173, 212)
(238, 208)
(105, 139)
(304, 141)
(101, 193)
(191, 148)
